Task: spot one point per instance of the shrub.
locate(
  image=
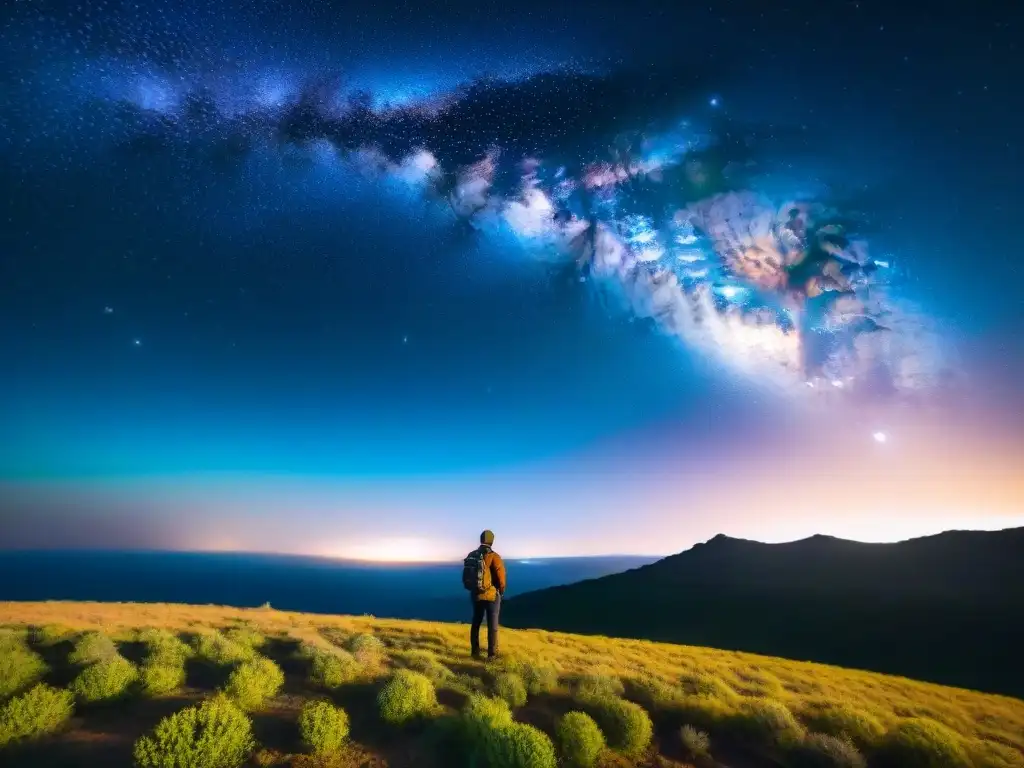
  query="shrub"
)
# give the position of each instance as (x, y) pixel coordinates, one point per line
(35, 713)
(539, 677)
(820, 750)
(518, 745)
(923, 743)
(590, 686)
(245, 635)
(217, 649)
(509, 687)
(696, 743)
(407, 695)
(51, 634)
(483, 714)
(847, 723)
(580, 741)
(91, 648)
(12, 640)
(626, 725)
(991, 754)
(164, 648)
(705, 685)
(324, 727)
(214, 734)
(425, 663)
(331, 668)
(20, 668)
(105, 680)
(161, 679)
(652, 692)
(251, 683)
(367, 650)
(767, 722)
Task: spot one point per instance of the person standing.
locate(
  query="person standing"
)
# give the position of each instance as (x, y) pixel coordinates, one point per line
(483, 575)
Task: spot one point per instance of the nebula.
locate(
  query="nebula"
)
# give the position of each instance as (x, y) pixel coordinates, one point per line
(664, 216)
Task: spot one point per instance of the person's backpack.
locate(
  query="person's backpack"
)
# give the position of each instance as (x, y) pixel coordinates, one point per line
(476, 576)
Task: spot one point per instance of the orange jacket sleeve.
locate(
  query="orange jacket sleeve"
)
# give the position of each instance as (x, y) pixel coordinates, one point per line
(498, 572)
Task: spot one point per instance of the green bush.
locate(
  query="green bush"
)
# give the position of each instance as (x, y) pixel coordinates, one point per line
(425, 663)
(324, 727)
(407, 695)
(696, 744)
(923, 743)
(20, 668)
(652, 692)
(767, 723)
(105, 680)
(51, 634)
(539, 677)
(510, 687)
(164, 648)
(330, 668)
(91, 648)
(161, 679)
(251, 683)
(590, 686)
(518, 745)
(245, 635)
(482, 714)
(217, 649)
(368, 650)
(35, 713)
(214, 734)
(626, 725)
(12, 639)
(579, 739)
(820, 750)
(847, 723)
(705, 685)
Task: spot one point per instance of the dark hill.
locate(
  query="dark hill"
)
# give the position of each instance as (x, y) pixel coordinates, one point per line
(947, 608)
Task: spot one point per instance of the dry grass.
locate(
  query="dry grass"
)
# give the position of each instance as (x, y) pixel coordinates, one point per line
(706, 688)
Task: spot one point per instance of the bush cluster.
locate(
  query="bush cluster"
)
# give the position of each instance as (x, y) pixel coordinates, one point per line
(509, 687)
(253, 682)
(368, 650)
(767, 723)
(163, 671)
(37, 712)
(707, 686)
(324, 727)
(846, 723)
(330, 667)
(920, 742)
(592, 687)
(217, 649)
(20, 666)
(626, 725)
(424, 662)
(820, 750)
(495, 740)
(92, 647)
(214, 734)
(579, 739)
(105, 680)
(406, 696)
(247, 635)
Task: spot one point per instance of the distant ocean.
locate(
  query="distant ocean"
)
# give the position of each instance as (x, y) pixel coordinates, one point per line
(421, 591)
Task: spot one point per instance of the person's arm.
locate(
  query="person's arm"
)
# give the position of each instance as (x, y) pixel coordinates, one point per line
(498, 566)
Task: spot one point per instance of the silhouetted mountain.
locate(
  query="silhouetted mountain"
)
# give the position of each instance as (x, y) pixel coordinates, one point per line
(947, 608)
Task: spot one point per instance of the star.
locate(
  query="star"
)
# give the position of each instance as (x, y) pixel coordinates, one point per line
(880, 437)
(108, 310)
(137, 342)
(715, 101)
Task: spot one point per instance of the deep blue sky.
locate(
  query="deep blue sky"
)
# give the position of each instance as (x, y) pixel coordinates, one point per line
(285, 357)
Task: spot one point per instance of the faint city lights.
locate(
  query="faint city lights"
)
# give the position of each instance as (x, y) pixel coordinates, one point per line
(880, 437)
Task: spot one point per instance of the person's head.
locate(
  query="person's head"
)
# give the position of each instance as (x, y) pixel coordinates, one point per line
(487, 537)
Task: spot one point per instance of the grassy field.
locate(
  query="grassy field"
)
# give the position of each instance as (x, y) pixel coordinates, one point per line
(125, 684)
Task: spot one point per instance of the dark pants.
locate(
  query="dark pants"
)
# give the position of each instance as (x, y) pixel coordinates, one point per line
(491, 609)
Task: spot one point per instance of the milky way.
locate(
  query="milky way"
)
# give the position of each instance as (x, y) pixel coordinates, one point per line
(612, 174)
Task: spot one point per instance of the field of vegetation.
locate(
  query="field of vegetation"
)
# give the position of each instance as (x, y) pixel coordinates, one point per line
(168, 686)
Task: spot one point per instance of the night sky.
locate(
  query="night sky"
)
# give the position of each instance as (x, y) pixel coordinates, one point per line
(359, 280)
